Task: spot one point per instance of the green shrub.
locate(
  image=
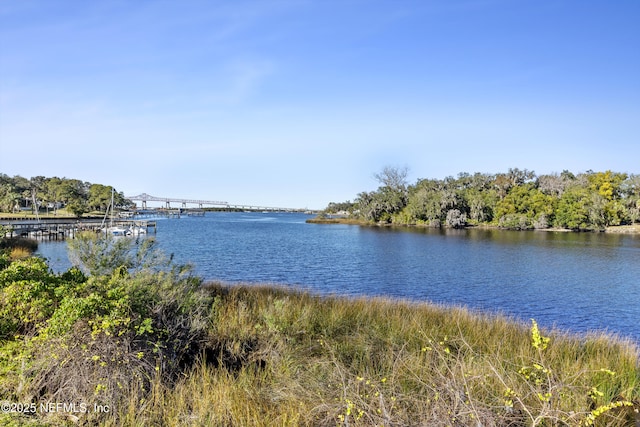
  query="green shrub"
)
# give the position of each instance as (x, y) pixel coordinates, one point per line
(515, 222)
(29, 295)
(99, 339)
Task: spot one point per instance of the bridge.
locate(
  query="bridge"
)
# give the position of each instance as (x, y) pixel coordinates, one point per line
(144, 198)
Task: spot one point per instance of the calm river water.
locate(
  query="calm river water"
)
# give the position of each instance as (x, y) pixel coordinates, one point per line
(575, 281)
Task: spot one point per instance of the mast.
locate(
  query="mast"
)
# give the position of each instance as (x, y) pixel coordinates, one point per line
(111, 219)
(107, 213)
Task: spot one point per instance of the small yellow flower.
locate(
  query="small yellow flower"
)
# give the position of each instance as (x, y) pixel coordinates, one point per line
(595, 392)
(546, 397)
(537, 340)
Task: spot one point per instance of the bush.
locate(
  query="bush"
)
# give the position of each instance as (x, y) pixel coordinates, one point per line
(119, 335)
(28, 296)
(103, 339)
(100, 254)
(515, 222)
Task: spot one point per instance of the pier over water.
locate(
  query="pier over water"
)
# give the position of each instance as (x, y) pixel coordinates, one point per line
(62, 228)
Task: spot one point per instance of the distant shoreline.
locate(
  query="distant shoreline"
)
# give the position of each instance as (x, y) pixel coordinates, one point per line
(614, 229)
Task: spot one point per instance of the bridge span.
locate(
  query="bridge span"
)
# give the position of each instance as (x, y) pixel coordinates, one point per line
(144, 198)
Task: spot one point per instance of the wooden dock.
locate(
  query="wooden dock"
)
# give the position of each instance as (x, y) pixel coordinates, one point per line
(60, 229)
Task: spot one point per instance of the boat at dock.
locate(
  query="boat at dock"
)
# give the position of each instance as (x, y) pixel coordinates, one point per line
(118, 230)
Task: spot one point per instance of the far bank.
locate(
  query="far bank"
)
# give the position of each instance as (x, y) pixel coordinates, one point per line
(618, 229)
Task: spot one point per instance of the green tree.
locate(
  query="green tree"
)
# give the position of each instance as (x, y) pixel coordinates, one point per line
(424, 203)
(8, 198)
(606, 207)
(607, 184)
(73, 190)
(481, 204)
(99, 197)
(74, 194)
(423, 206)
(573, 209)
(54, 191)
(334, 207)
(630, 190)
(529, 201)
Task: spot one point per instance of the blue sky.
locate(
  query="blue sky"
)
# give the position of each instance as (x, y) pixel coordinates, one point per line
(298, 103)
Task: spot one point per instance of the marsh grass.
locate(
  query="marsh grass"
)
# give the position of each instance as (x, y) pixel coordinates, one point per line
(282, 357)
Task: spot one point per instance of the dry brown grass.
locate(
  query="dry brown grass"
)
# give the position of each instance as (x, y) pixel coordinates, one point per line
(290, 358)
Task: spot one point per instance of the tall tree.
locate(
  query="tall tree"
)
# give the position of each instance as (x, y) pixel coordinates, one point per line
(99, 197)
(393, 177)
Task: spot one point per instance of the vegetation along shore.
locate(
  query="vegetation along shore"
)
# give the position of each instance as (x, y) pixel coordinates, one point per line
(131, 339)
(517, 199)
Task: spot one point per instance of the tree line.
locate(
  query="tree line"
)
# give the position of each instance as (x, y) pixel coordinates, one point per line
(517, 199)
(44, 194)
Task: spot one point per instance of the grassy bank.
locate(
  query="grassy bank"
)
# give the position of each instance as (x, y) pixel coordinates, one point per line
(279, 357)
(158, 348)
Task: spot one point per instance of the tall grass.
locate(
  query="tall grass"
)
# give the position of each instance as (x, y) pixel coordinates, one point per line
(281, 357)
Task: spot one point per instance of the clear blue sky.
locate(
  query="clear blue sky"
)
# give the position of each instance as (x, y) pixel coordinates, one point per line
(299, 102)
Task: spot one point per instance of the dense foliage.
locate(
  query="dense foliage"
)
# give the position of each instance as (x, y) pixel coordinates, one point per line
(102, 339)
(518, 199)
(51, 194)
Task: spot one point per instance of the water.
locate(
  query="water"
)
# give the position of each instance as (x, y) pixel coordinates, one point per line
(575, 281)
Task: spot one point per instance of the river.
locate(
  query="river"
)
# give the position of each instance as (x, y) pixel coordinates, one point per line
(575, 281)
